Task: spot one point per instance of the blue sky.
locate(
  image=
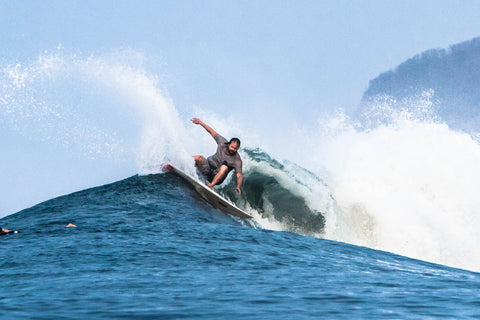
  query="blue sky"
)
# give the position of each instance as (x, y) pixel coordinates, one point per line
(269, 63)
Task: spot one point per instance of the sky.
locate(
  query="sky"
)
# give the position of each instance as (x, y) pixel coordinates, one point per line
(265, 63)
(277, 54)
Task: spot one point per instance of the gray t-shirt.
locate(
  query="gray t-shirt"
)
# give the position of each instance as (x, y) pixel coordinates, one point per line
(216, 160)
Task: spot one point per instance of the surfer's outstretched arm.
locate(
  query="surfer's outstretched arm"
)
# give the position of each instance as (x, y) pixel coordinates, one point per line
(205, 126)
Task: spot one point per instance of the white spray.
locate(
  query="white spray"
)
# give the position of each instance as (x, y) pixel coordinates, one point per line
(408, 187)
(102, 118)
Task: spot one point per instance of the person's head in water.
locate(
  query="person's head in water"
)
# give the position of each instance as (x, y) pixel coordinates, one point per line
(233, 146)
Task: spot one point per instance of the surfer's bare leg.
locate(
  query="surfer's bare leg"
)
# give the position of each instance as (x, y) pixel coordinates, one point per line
(219, 177)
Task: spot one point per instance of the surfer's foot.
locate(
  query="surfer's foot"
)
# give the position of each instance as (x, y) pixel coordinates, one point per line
(210, 185)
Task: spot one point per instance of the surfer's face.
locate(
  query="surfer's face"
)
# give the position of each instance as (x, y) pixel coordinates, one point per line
(232, 148)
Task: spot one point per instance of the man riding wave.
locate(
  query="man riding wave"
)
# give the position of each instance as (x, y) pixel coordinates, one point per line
(216, 167)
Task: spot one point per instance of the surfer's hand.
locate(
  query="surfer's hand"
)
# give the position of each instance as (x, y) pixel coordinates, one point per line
(239, 191)
(196, 120)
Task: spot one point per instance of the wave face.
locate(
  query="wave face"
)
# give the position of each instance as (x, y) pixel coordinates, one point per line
(283, 195)
(148, 247)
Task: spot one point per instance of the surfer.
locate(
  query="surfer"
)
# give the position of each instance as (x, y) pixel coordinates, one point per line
(4, 231)
(216, 167)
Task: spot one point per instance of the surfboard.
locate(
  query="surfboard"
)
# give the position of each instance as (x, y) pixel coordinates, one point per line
(209, 195)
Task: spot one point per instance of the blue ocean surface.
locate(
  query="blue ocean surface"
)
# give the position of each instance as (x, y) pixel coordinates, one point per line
(148, 247)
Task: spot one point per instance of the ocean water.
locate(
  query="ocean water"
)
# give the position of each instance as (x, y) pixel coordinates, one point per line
(148, 247)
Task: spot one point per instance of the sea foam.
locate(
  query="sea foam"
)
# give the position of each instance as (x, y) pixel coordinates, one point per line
(407, 186)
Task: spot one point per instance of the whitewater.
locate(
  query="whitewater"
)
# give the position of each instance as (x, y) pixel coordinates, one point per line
(390, 203)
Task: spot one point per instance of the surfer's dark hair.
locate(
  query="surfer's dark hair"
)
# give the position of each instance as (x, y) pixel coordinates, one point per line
(234, 140)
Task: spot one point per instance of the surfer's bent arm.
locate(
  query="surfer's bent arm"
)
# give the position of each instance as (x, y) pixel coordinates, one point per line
(239, 182)
(205, 126)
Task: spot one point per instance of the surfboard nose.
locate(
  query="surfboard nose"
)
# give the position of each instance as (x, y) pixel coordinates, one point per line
(167, 167)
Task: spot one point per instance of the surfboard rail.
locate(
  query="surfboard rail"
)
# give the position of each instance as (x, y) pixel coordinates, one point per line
(209, 195)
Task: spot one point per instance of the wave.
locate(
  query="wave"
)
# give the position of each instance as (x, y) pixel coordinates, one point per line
(136, 204)
(413, 164)
(283, 195)
(406, 185)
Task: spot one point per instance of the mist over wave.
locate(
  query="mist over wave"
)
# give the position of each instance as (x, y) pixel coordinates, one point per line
(410, 173)
(406, 185)
(104, 106)
(74, 121)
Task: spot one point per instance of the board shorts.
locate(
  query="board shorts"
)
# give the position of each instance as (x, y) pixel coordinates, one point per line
(209, 171)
